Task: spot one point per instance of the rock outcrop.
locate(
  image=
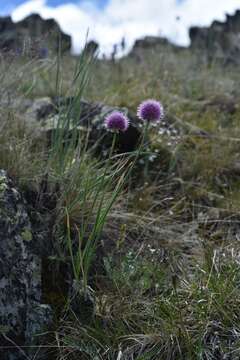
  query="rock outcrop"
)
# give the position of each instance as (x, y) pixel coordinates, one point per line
(152, 41)
(156, 43)
(22, 315)
(32, 36)
(220, 41)
(45, 115)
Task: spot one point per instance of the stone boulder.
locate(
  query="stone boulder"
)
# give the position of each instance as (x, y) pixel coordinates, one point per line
(32, 36)
(44, 116)
(22, 315)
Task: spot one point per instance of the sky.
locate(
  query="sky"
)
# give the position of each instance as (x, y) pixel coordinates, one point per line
(107, 21)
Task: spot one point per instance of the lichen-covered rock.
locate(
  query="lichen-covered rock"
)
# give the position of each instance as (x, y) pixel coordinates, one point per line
(22, 316)
(46, 115)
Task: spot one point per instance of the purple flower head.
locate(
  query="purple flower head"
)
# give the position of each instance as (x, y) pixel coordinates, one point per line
(150, 110)
(116, 122)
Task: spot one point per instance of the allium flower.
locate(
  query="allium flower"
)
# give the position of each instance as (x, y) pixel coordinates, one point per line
(116, 121)
(150, 110)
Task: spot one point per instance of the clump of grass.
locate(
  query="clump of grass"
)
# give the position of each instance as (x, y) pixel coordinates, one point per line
(85, 185)
(152, 312)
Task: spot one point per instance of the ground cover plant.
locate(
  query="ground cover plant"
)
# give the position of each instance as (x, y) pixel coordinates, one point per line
(151, 236)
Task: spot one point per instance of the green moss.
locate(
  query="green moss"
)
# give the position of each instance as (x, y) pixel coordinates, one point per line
(26, 235)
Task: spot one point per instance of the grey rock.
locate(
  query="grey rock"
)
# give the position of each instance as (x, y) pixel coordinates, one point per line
(159, 45)
(22, 316)
(32, 36)
(45, 115)
(152, 41)
(220, 41)
(37, 113)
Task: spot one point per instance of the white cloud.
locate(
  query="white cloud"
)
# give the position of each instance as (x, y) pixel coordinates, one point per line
(130, 18)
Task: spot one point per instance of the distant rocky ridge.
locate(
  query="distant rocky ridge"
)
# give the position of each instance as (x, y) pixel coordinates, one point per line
(33, 35)
(219, 42)
(152, 42)
(36, 36)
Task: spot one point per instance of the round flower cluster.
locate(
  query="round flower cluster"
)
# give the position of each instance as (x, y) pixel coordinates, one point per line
(150, 110)
(116, 122)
